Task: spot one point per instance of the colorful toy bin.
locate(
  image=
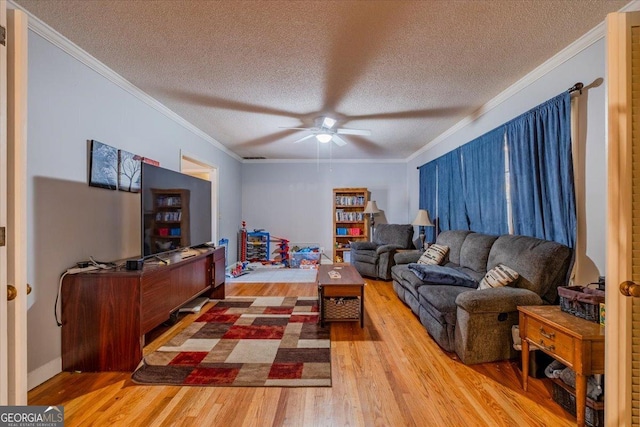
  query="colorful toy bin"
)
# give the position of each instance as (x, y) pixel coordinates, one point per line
(307, 257)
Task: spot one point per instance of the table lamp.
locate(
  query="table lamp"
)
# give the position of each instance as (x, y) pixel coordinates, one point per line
(423, 220)
(371, 208)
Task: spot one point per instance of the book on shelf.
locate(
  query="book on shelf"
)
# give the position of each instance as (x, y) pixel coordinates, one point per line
(352, 231)
(350, 200)
(349, 216)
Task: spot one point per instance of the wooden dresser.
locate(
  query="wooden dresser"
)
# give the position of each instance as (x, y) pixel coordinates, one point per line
(577, 343)
(106, 314)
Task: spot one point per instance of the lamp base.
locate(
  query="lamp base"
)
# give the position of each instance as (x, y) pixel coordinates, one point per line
(422, 237)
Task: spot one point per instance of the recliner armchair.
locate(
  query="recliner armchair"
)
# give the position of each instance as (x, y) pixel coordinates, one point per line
(375, 258)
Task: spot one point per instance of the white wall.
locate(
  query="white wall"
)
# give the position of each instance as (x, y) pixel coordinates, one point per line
(295, 200)
(588, 67)
(68, 221)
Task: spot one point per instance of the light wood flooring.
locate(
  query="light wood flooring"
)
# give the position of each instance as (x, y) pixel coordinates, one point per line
(391, 373)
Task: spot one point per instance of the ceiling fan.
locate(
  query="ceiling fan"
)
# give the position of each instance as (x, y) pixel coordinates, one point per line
(324, 131)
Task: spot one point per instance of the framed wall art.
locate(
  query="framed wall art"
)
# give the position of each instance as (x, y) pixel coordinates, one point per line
(129, 171)
(103, 169)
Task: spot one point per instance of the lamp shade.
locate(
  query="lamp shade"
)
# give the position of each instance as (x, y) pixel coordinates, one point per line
(371, 207)
(423, 219)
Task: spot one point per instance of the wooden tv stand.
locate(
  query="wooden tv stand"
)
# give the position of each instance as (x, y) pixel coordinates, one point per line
(106, 313)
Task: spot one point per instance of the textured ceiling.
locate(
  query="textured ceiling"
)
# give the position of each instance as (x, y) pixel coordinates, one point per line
(240, 70)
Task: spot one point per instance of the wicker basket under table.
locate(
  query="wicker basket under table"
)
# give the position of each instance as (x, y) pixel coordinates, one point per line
(340, 299)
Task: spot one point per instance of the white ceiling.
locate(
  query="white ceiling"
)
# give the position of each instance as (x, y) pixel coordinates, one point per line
(240, 70)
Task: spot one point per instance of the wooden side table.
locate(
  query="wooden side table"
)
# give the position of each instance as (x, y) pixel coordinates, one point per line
(577, 343)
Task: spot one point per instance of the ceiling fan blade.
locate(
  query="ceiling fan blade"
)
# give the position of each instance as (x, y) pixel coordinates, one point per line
(283, 127)
(339, 141)
(364, 132)
(303, 138)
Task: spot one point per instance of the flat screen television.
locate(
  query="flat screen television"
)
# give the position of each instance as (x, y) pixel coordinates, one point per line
(176, 210)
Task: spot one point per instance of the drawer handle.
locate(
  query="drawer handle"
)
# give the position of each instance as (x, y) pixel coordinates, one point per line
(544, 347)
(549, 335)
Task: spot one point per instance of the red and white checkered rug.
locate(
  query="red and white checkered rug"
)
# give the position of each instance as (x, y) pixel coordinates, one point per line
(246, 341)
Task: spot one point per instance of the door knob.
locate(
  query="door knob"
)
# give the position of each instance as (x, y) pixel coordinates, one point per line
(12, 292)
(630, 289)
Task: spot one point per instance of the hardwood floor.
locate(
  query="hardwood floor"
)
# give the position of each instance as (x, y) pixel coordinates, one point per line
(391, 373)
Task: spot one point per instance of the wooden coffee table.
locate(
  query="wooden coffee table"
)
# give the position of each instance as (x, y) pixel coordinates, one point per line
(349, 285)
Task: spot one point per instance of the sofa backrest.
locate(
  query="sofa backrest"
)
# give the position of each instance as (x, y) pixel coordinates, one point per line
(453, 239)
(543, 265)
(394, 234)
(474, 253)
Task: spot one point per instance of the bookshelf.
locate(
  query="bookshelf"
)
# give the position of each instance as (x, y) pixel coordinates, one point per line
(349, 220)
(170, 226)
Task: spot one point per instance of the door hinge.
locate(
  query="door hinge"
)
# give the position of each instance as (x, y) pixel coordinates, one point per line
(2, 236)
(3, 36)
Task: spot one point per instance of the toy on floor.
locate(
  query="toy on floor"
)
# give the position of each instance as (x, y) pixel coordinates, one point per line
(238, 269)
(307, 257)
(282, 250)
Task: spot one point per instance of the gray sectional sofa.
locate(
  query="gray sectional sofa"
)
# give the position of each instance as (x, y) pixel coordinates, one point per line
(476, 324)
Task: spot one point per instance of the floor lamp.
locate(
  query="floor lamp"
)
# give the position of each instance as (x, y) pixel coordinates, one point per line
(371, 208)
(423, 220)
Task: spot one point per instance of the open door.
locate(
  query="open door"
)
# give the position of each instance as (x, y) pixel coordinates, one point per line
(622, 354)
(13, 167)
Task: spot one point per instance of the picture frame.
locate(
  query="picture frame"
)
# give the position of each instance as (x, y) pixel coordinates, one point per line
(129, 171)
(103, 168)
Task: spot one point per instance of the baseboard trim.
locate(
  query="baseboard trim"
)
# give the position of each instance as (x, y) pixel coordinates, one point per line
(44, 373)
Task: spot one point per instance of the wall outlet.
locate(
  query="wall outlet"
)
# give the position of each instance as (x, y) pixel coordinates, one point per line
(321, 249)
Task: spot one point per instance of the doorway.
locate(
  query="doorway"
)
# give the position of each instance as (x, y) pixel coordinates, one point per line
(194, 167)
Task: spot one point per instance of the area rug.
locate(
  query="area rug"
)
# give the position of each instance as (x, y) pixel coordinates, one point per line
(276, 275)
(246, 342)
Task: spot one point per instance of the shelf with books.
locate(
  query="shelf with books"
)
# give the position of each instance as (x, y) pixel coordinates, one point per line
(170, 227)
(349, 221)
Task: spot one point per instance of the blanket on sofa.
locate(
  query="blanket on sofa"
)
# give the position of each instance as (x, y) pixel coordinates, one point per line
(440, 275)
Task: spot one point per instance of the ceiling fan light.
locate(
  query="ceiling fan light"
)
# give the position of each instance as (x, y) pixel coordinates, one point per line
(323, 137)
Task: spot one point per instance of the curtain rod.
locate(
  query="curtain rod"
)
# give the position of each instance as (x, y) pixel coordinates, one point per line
(578, 86)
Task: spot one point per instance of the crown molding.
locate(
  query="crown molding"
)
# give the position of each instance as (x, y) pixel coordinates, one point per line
(328, 161)
(591, 37)
(45, 31)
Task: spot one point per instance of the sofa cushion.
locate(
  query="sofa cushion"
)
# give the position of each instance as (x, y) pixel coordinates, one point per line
(439, 275)
(474, 252)
(367, 256)
(394, 234)
(434, 255)
(543, 265)
(410, 281)
(453, 239)
(498, 276)
(440, 301)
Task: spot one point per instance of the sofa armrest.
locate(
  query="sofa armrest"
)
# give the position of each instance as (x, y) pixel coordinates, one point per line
(497, 300)
(407, 257)
(387, 248)
(363, 245)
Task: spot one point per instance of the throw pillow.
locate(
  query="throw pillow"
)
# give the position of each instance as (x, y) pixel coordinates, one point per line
(498, 276)
(434, 255)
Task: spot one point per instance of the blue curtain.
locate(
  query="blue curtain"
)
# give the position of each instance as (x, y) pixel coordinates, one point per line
(451, 213)
(541, 171)
(427, 200)
(483, 177)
